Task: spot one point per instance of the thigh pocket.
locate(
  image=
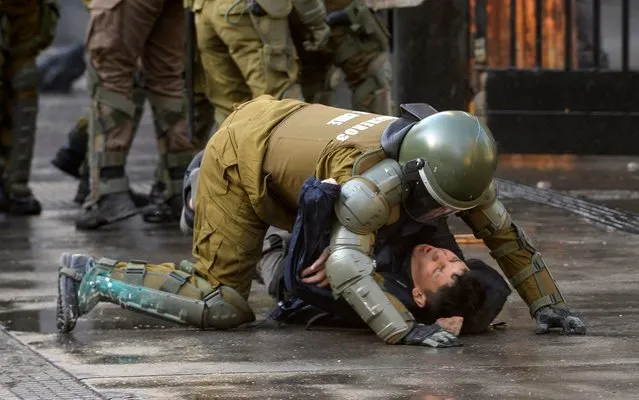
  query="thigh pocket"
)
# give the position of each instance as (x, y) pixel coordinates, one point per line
(279, 58)
(105, 24)
(219, 160)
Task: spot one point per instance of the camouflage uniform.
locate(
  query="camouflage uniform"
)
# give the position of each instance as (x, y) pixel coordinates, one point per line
(123, 34)
(26, 28)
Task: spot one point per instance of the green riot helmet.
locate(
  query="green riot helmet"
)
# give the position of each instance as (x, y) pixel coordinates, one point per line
(449, 160)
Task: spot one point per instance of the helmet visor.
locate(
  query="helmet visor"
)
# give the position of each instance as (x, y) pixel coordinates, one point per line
(421, 206)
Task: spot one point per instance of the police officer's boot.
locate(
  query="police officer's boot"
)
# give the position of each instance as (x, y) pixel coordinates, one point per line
(71, 271)
(70, 157)
(20, 201)
(178, 296)
(19, 198)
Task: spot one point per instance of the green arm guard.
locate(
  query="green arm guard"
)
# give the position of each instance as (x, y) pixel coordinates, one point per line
(363, 207)
(514, 252)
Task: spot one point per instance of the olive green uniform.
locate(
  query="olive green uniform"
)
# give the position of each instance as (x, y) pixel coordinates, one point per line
(245, 55)
(250, 177)
(26, 28)
(359, 47)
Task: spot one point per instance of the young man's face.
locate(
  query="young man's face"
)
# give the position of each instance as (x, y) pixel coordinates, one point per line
(433, 268)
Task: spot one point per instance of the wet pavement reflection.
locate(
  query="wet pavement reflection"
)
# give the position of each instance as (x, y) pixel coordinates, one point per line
(122, 353)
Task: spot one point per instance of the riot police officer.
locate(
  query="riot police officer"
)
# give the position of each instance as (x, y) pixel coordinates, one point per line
(425, 164)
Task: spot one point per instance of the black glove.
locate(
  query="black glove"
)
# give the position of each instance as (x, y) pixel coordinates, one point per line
(559, 317)
(430, 335)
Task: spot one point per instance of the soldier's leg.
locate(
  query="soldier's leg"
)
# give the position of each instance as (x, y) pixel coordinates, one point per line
(30, 27)
(224, 83)
(259, 47)
(262, 47)
(204, 113)
(228, 234)
(163, 64)
(117, 35)
(361, 51)
(167, 291)
(75, 150)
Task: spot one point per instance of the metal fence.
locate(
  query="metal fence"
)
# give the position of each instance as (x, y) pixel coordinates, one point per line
(569, 104)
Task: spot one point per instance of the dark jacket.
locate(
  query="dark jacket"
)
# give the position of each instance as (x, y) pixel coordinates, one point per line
(393, 246)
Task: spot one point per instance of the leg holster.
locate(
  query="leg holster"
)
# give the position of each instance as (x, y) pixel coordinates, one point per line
(109, 110)
(218, 308)
(271, 23)
(366, 32)
(23, 127)
(270, 19)
(374, 93)
(175, 152)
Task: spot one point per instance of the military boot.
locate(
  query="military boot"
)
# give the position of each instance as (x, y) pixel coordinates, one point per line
(71, 271)
(71, 156)
(160, 210)
(25, 204)
(108, 209)
(20, 203)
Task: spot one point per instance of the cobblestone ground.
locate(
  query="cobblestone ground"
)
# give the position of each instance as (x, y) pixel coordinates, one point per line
(126, 356)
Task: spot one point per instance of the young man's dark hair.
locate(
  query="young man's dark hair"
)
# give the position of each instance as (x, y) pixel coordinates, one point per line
(463, 298)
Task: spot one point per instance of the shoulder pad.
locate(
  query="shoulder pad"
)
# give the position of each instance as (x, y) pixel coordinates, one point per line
(395, 132)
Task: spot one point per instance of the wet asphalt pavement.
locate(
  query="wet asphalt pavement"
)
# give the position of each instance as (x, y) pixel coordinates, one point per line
(123, 355)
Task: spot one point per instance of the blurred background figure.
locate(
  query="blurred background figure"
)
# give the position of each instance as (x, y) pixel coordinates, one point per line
(26, 28)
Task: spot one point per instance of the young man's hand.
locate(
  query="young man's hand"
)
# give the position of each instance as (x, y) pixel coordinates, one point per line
(452, 324)
(331, 181)
(315, 274)
(431, 336)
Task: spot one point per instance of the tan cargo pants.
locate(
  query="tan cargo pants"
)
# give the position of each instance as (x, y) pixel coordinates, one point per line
(120, 33)
(240, 61)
